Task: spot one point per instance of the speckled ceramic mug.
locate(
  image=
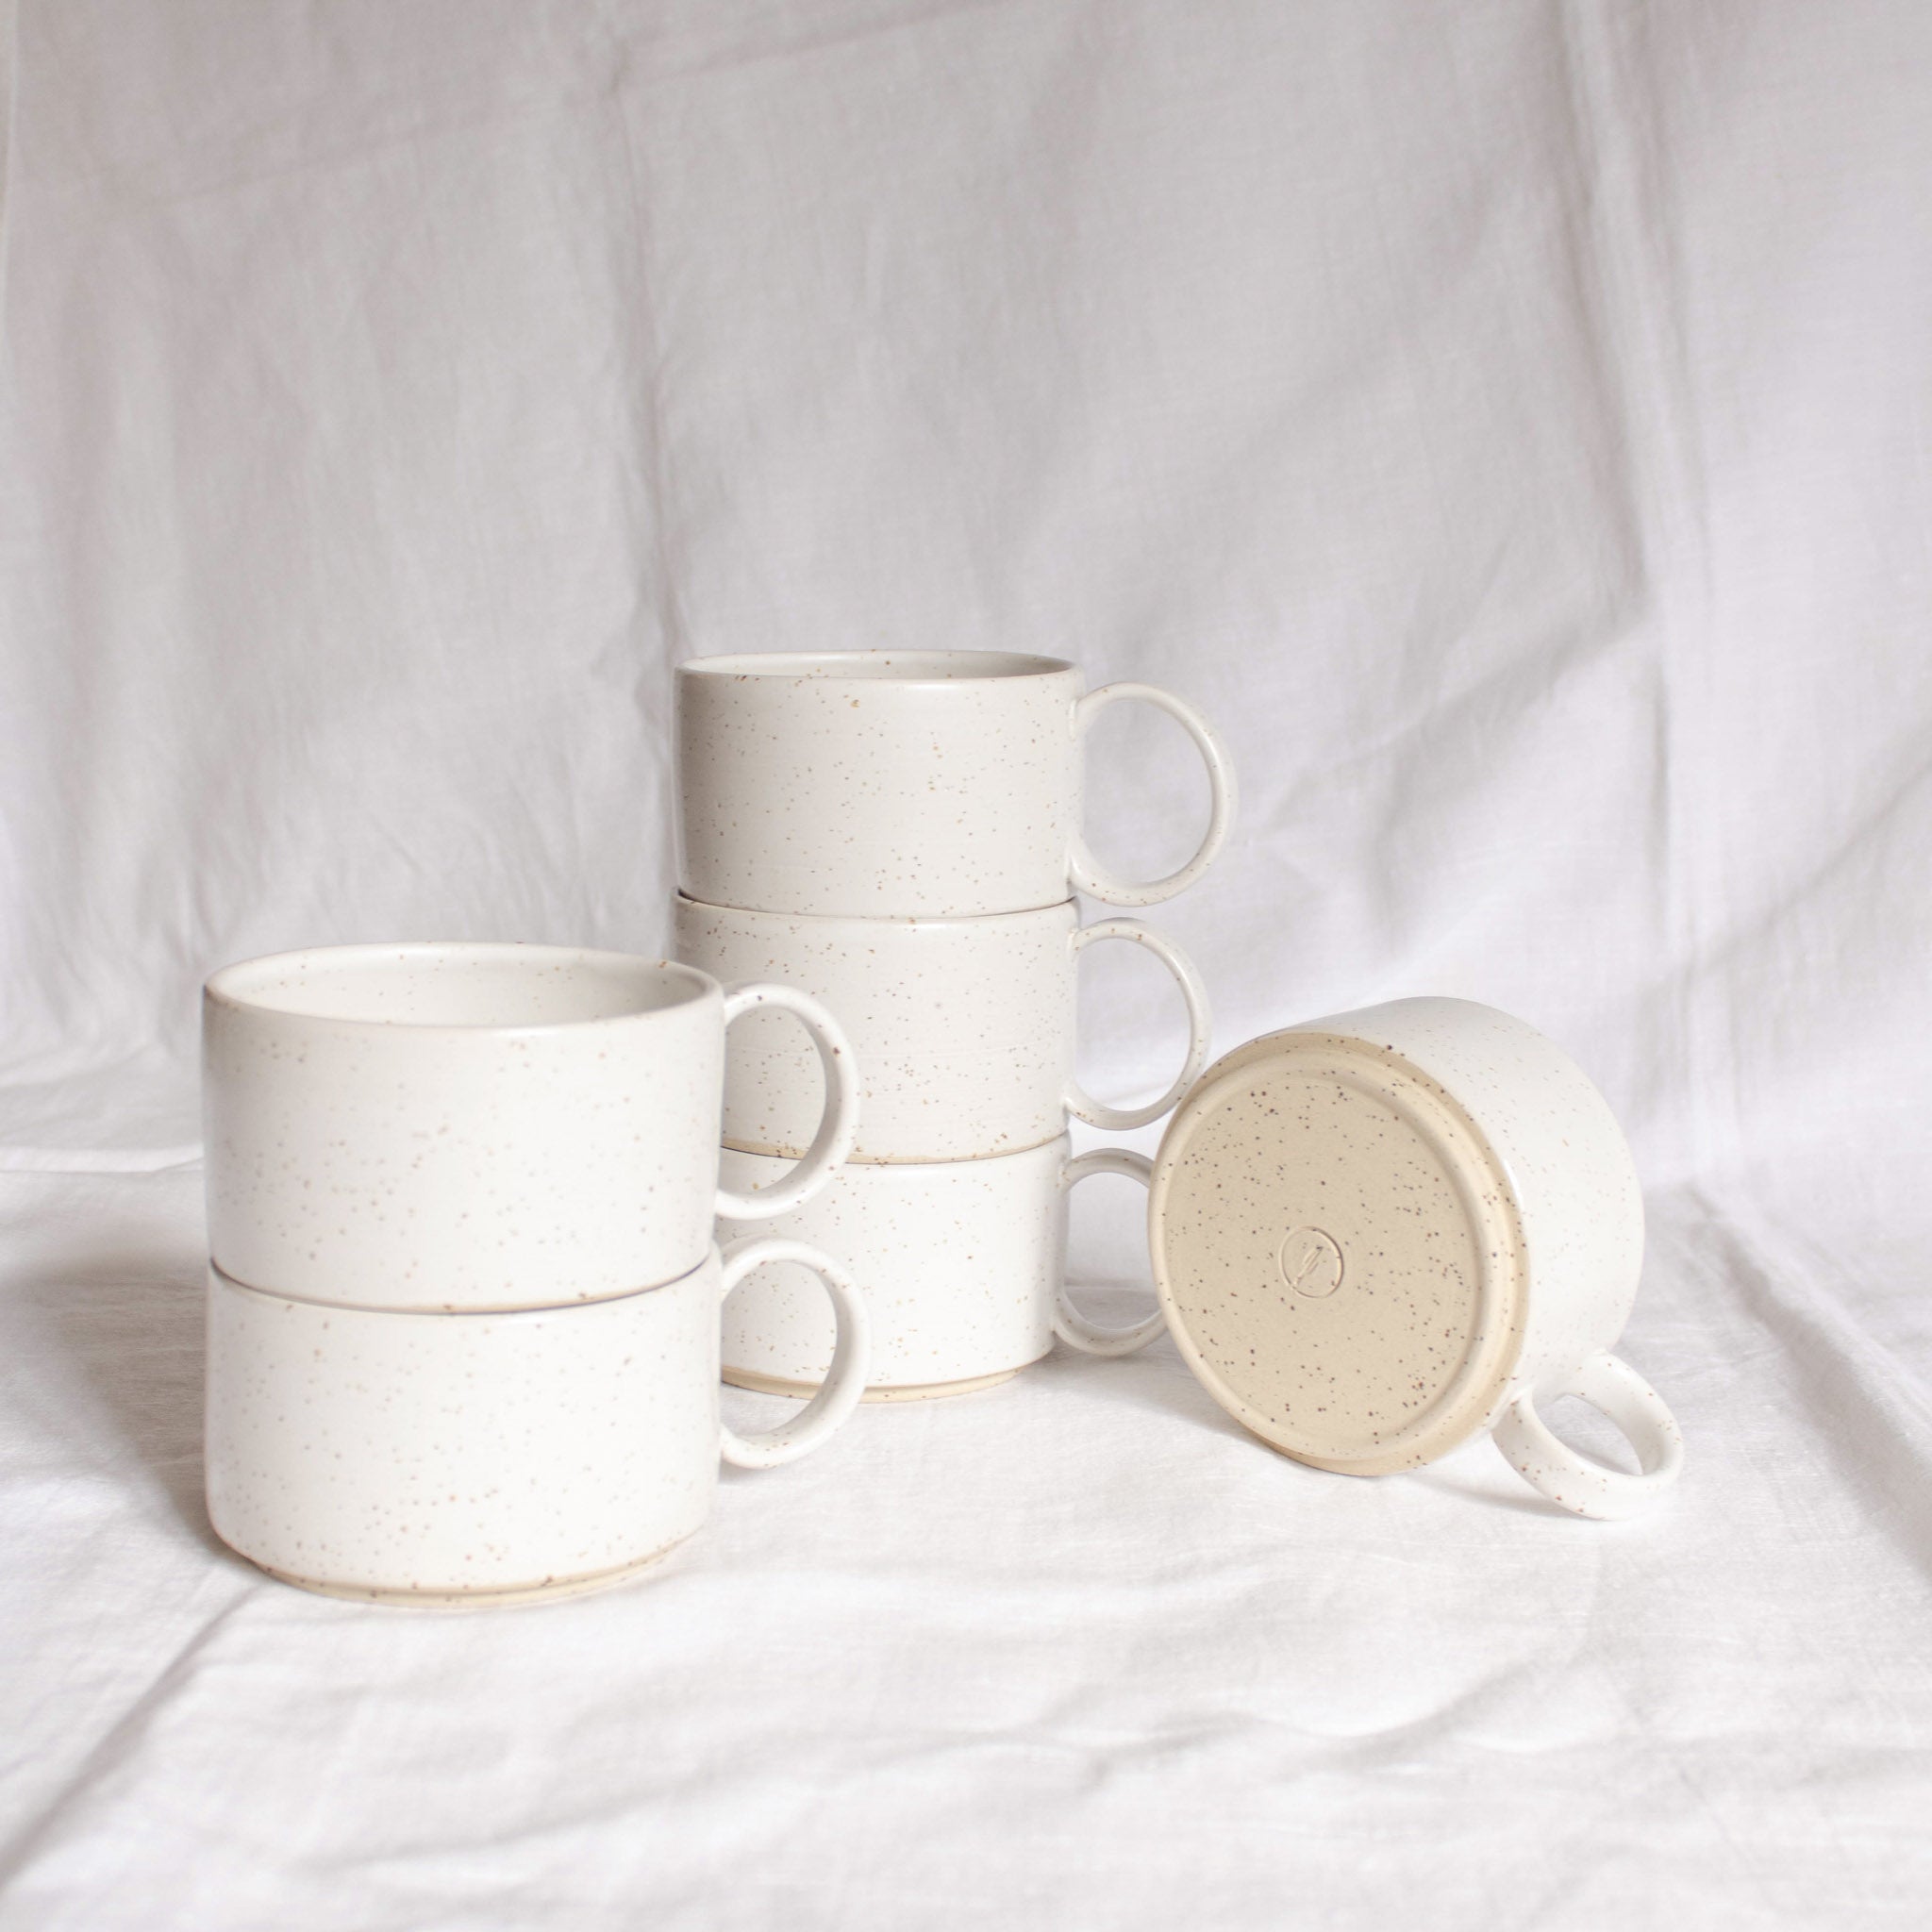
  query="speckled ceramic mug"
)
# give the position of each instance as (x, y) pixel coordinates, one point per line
(903, 784)
(961, 1262)
(488, 1458)
(1380, 1234)
(474, 1126)
(964, 1029)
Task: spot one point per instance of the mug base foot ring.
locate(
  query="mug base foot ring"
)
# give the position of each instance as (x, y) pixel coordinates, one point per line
(911, 1392)
(474, 1599)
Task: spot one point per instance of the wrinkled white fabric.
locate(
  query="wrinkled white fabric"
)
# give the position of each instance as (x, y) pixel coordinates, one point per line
(1512, 423)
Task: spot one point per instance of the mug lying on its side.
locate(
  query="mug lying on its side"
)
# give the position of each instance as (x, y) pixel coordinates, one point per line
(1378, 1234)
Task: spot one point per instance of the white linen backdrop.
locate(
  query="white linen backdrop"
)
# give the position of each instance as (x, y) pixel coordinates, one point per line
(1512, 422)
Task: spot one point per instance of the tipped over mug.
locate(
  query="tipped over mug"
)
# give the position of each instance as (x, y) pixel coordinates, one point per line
(1380, 1234)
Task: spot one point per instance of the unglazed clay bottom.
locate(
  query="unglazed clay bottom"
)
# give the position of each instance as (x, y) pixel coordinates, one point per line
(477, 1599)
(911, 1392)
(1378, 1234)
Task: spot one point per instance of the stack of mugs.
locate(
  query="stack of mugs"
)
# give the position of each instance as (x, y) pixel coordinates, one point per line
(898, 834)
(463, 1300)
(466, 1316)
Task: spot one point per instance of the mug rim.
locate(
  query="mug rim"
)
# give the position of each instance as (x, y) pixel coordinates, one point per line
(230, 986)
(876, 668)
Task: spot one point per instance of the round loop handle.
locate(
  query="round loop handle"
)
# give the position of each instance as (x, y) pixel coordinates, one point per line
(1576, 1482)
(1084, 870)
(838, 1394)
(1200, 1025)
(1069, 1324)
(838, 1125)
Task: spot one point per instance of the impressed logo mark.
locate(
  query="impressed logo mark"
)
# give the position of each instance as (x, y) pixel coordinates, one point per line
(1310, 1262)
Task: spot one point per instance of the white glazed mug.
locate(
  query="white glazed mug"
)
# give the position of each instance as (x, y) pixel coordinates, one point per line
(483, 1458)
(960, 1263)
(479, 1126)
(1378, 1234)
(915, 784)
(962, 1029)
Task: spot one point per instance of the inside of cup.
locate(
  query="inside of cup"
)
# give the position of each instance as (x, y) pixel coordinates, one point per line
(459, 985)
(910, 667)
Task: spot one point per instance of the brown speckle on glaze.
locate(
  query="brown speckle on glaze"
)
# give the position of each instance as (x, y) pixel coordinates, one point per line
(960, 1263)
(468, 1126)
(894, 784)
(963, 1030)
(492, 1453)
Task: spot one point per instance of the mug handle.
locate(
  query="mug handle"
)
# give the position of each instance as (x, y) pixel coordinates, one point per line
(838, 1394)
(1083, 869)
(1069, 1324)
(1548, 1464)
(838, 1127)
(1077, 1100)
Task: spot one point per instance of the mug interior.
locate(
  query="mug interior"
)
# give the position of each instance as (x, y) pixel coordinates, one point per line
(459, 985)
(900, 667)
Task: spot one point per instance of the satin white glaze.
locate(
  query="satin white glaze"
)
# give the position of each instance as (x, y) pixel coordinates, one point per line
(964, 1029)
(479, 1126)
(960, 1262)
(434, 1456)
(902, 784)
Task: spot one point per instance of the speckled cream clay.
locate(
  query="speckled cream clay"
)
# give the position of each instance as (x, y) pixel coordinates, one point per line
(469, 1127)
(964, 1029)
(469, 1460)
(903, 784)
(960, 1262)
(1378, 1234)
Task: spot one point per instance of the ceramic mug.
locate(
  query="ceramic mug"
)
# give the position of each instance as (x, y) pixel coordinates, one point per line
(478, 1459)
(1378, 1234)
(480, 1126)
(960, 1263)
(962, 1029)
(915, 784)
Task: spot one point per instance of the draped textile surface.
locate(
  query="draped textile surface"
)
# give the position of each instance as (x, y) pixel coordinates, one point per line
(1512, 423)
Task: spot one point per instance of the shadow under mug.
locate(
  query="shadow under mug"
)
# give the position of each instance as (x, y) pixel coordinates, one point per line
(468, 1460)
(964, 1029)
(904, 784)
(464, 1126)
(1381, 1233)
(961, 1263)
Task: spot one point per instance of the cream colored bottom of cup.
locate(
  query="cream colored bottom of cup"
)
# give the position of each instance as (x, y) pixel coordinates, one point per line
(476, 1599)
(910, 1391)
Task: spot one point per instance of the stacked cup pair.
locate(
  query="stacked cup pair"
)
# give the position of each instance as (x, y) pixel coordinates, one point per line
(899, 835)
(463, 1296)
